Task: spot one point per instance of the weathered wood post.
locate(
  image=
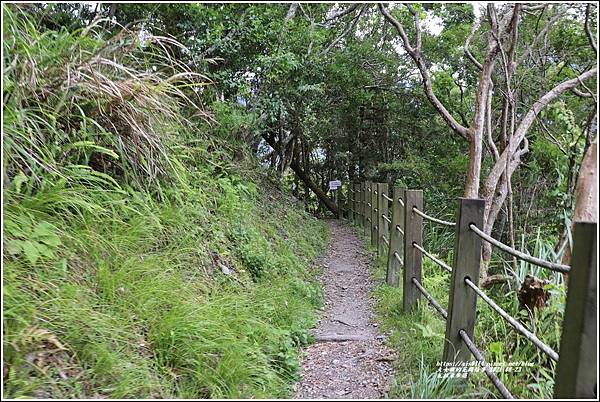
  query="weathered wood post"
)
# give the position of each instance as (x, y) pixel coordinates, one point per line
(367, 208)
(413, 233)
(364, 208)
(462, 302)
(578, 365)
(382, 225)
(350, 202)
(374, 209)
(358, 194)
(396, 250)
(353, 203)
(357, 203)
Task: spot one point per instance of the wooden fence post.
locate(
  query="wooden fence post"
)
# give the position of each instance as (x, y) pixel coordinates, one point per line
(374, 220)
(350, 202)
(365, 196)
(382, 225)
(462, 302)
(413, 233)
(578, 365)
(353, 203)
(396, 239)
(357, 203)
(358, 192)
(367, 226)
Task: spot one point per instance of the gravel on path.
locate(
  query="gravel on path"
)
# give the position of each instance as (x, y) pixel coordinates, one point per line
(349, 358)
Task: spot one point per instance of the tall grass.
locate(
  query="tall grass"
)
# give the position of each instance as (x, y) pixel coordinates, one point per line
(140, 260)
(82, 98)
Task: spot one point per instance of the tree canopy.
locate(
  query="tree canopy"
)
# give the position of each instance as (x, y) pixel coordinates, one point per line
(493, 101)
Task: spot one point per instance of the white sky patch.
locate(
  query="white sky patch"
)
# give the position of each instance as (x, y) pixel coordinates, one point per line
(398, 47)
(433, 24)
(336, 8)
(479, 8)
(437, 67)
(360, 33)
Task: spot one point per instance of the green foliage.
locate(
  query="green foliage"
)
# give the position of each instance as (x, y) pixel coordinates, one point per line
(418, 338)
(31, 242)
(136, 221)
(430, 385)
(188, 276)
(113, 117)
(418, 335)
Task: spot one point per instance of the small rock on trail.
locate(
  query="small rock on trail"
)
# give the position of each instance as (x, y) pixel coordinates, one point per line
(349, 358)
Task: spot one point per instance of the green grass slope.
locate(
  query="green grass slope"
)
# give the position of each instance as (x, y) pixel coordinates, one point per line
(142, 256)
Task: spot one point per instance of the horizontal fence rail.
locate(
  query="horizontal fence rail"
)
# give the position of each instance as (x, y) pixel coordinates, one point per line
(438, 307)
(526, 257)
(515, 324)
(486, 367)
(393, 219)
(432, 219)
(433, 258)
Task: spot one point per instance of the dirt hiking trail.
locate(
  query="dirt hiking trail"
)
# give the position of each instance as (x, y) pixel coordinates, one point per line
(349, 358)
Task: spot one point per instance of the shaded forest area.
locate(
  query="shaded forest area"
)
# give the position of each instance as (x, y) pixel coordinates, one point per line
(138, 136)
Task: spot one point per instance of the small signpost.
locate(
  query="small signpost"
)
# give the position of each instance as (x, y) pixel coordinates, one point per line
(334, 185)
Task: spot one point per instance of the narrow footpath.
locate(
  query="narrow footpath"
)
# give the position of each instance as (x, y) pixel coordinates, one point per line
(349, 358)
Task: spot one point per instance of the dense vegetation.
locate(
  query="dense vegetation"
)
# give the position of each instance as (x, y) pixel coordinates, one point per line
(145, 256)
(162, 163)
(419, 336)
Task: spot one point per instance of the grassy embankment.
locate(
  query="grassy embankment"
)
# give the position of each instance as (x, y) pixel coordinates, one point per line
(143, 255)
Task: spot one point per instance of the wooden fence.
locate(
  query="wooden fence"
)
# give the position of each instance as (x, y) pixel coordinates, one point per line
(393, 218)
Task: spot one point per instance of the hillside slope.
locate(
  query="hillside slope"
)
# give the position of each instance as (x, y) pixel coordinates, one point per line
(143, 255)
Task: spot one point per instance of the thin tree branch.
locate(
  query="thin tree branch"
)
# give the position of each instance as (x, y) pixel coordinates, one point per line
(588, 31)
(342, 12)
(588, 90)
(399, 27)
(554, 139)
(349, 28)
(468, 43)
(291, 11)
(490, 138)
(581, 94)
(530, 116)
(417, 25)
(533, 8)
(539, 37)
(553, 94)
(415, 54)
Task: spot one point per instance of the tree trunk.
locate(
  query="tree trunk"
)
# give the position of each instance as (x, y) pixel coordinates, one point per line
(586, 193)
(295, 166)
(474, 169)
